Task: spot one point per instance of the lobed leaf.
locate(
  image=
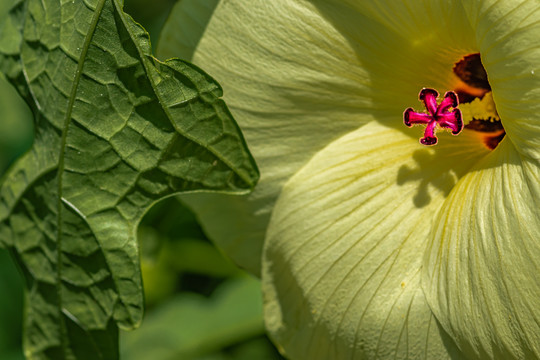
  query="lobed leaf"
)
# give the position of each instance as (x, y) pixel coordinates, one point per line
(116, 130)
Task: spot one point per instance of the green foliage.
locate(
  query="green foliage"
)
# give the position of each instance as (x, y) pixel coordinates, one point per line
(115, 131)
(10, 309)
(177, 256)
(200, 306)
(15, 125)
(233, 313)
(151, 17)
(191, 14)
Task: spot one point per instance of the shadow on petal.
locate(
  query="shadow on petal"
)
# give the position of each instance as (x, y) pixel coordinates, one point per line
(424, 159)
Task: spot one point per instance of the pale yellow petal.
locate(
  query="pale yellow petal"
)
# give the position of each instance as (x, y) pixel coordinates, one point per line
(481, 269)
(293, 83)
(299, 74)
(342, 260)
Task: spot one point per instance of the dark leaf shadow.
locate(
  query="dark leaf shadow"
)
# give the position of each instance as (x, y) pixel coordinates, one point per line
(425, 160)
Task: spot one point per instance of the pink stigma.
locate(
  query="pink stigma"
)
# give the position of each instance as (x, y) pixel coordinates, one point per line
(437, 115)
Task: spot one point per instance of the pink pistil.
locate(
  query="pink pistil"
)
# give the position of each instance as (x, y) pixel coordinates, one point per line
(437, 115)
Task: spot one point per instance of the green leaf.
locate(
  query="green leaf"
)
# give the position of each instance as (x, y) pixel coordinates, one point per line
(116, 130)
(190, 325)
(10, 307)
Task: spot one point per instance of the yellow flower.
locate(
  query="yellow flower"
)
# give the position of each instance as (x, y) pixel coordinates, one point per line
(378, 246)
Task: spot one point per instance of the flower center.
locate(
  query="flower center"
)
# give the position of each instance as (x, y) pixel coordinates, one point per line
(474, 92)
(474, 82)
(477, 111)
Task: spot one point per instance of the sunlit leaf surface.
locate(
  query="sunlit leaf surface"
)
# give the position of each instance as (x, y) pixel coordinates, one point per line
(116, 130)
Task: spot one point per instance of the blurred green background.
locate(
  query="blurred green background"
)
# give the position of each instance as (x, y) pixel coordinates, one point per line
(198, 304)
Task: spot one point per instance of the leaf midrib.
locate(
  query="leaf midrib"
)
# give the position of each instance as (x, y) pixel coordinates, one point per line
(67, 120)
